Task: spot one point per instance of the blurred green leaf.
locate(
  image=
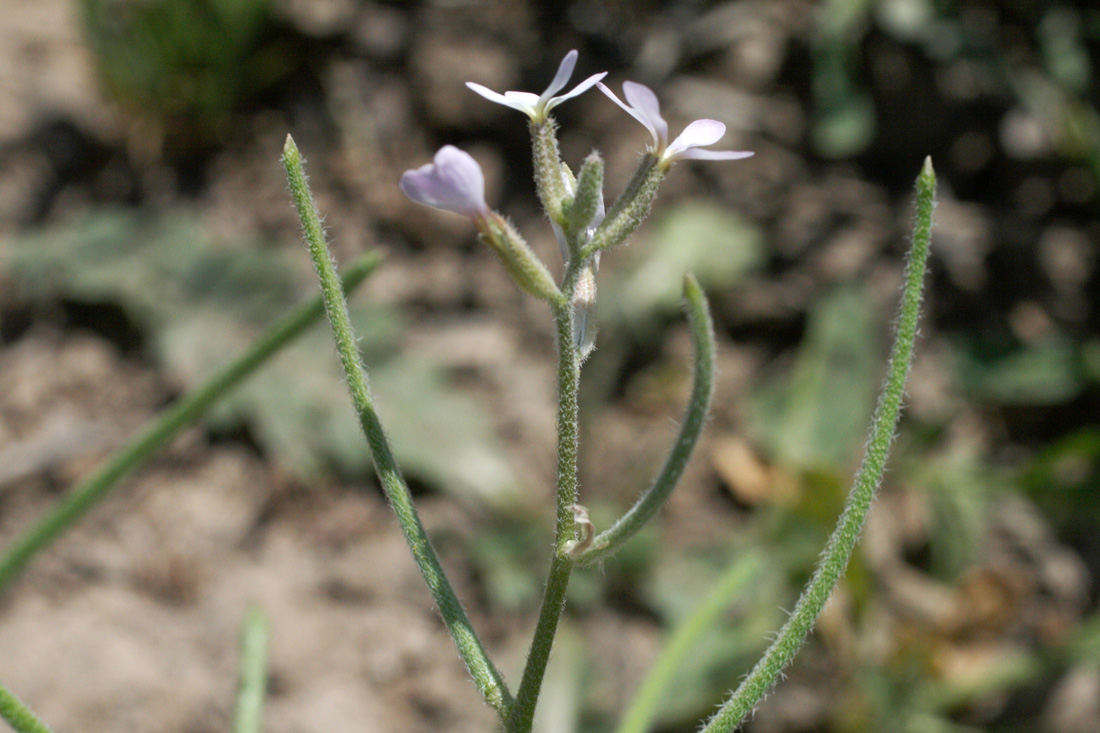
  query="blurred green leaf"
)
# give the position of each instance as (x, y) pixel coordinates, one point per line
(1064, 480)
(817, 415)
(715, 244)
(199, 300)
(959, 486)
(721, 652)
(844, 126)
(1048, 372)
(506, 555)
(1064, 52)
(844, 116)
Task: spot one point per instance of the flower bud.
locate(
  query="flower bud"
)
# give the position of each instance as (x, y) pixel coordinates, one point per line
(632, 207)
(453, 181)
(588, 195)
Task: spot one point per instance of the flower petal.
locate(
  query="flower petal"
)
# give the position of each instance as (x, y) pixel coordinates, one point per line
(697, 134)
(700, 154)
(631, 111)
(565, 70)
(500, 98)
(452, 182)
(642, 98)
(527, 99)
(581, 88)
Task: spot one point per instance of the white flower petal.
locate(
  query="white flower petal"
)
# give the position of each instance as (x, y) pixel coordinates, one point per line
(697, 134)
(565, 70)
(581, 88)
(525, 98)
(499, 98)
(642, 99)
(700, 154)
(631, 111)
(537, 106)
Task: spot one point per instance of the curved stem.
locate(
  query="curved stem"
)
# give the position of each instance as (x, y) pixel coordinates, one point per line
(165, 426)
(553, 600)
(702, 335)
(485, 675)
(17, 715)
(843, 541)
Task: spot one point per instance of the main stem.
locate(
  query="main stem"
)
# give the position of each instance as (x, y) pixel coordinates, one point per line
(553, 600)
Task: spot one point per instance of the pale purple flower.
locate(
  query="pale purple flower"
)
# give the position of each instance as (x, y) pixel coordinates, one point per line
(538, 106)
(452, 182)
(642, 105)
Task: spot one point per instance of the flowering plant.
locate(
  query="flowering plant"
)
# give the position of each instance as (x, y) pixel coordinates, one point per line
(584, 228)
(574, 203)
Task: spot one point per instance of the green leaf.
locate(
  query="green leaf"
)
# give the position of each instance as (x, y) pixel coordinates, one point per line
(815, 416)
(1049, 372)
(199, 300)
(1063, 479)
(715, 244)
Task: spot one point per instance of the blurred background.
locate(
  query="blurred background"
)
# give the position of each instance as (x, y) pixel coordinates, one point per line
(146, 235)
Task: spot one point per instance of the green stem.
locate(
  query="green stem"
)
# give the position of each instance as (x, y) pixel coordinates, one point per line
(17, 715)
(547, 165)
(553, 600)
(683, 639)
(184, 412)
(488, 680)
(630, 209)
(844, 538)
(253, 677)
(702, 334)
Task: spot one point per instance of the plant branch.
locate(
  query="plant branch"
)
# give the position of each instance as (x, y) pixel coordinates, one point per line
(488, 680)
(883, 425)
(702, 336)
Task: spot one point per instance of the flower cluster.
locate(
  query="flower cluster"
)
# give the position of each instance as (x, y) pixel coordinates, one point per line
(583, 227)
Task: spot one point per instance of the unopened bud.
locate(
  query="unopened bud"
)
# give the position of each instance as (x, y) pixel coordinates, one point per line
(632, 207)
(588, 194)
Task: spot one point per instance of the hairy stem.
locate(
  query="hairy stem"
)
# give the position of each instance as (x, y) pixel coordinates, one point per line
(187, 410)
(553, 601)
(485, 675)
(843, 541)
(702, 336)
